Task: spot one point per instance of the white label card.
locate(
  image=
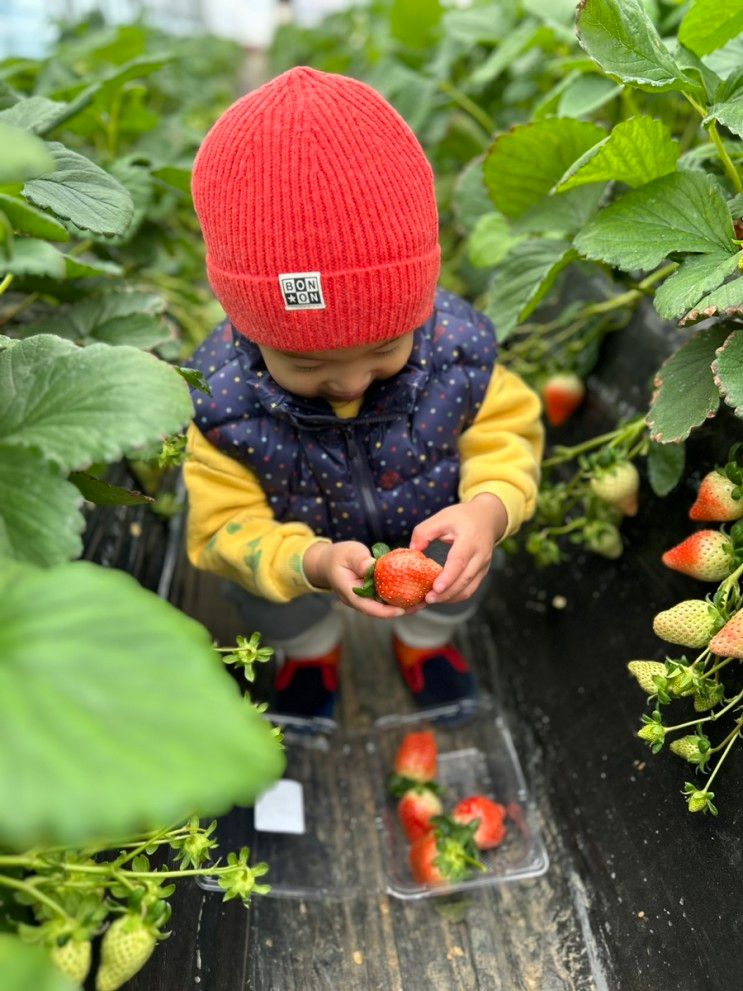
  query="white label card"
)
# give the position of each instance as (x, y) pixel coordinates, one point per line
(280, 809)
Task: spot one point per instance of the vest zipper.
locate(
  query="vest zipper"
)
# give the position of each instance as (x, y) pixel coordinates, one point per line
(362, 474)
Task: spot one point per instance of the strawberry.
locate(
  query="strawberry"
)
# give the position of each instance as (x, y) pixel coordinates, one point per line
(645, 671)
(415, 762)
(400, 578)
(618, 486)
(603, 539)
(416, 808)
(73, 958)
(446, 853)
(125, 949)
(694, 748)
(690, 623)
(706, 555)
(715, 499)
(729, 641)
(562, 395)
(487, 814)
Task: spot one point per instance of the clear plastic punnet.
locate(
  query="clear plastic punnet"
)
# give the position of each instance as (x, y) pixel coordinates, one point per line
(313, 827)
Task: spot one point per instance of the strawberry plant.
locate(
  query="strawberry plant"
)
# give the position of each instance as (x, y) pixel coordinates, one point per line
(102, 683)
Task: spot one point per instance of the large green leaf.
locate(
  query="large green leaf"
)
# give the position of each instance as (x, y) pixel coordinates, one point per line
(24, 155)
(561, 215)
(491, 240)
(728, 299)
(684, 211)
(728, 104)
(104, 693)
(709, 24)
(470, 199)
(81, 405)
(114, 318)
(665, 467)
(30, 256)
(691, 281)
(503, 55)
(637, 150)
(29, 968)
(585, 94)
(80, 191)
(29, 220)
(619, 35)
(102, 493)
(40, 518)
(523, 279)
(524, 164)
(727, 369)
(414, 22)
(34, 114)
(686, 394)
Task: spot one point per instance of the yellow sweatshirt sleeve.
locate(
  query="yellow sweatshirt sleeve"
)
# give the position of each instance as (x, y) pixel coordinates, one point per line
(232, 531)
(501, 451)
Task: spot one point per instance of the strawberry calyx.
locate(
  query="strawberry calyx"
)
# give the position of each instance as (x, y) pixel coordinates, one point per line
(399, 785)
(457, 853)
(369, 590)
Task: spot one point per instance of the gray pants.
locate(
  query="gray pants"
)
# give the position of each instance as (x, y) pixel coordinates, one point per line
(310, 625)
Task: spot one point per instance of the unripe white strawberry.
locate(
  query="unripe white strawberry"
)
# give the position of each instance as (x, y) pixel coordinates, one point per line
(694, 749)
(690, 623)
(618, 486)
(644, 671)
(126, 948)
(73, 958)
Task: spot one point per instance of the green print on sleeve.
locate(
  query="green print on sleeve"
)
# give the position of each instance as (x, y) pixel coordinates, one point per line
(253, 559)
(234, 527)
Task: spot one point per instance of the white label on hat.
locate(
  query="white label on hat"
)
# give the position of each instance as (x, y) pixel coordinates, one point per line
(302, 291)
(280, 809)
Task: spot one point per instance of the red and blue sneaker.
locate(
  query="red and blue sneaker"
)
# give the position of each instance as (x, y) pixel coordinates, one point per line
(307, 686)
(435, 676)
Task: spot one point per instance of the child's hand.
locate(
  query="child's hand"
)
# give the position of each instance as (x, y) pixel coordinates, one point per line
(472, 528)
(342, 567)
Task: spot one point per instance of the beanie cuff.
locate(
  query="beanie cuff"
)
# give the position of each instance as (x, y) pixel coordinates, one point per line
(362, 306)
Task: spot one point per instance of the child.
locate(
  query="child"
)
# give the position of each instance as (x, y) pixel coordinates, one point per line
(352, 400)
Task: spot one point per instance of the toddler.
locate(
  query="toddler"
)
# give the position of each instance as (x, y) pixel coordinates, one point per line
(353, 400)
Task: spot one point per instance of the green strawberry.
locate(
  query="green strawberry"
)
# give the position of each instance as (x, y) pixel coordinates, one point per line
(707, 696)
(604, 539)
(644, 671)
(618, 486)
(694, 749)
(73, 958)
(126, 948)
(690, 623)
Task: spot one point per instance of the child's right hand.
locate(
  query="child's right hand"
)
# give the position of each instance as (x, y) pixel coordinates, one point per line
(342, 568)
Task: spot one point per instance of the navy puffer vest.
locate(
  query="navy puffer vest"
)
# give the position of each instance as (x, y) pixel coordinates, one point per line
(375, 476)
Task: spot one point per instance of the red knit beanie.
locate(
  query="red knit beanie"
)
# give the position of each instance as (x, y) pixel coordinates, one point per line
(318, 210)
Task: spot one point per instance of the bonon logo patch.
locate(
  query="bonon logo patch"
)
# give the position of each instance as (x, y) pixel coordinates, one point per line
(302, 291)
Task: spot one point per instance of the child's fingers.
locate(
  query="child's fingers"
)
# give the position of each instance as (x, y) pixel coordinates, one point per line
(465, 586)
(370, 607)
(430, 529)
(458, 559)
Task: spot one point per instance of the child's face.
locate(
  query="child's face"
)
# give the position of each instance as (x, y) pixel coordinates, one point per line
(340, 375)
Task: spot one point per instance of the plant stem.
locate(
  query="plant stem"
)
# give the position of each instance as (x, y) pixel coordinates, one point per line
(725, 752)
(725, 158)
(717, 667)
(477, 113)
(11, 882)
(13, 311)
(6, 282)
(707, 719)
(568, 453)
(713, 750)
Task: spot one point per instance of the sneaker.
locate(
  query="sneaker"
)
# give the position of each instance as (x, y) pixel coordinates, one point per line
(435, 676)
(308, 686)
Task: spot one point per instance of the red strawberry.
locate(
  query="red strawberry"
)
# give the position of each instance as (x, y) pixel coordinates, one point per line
(729, 641)
(400, 578)
(415, 810)
(415, 762)
(490, 816)
(706, 555)
(715, 500)
(445, 854)
(562, 395)
(618, 486)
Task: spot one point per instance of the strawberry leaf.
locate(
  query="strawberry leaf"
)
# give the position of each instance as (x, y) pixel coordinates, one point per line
(637, 150)
(728, 104)
(709, 25)
(665, 467)
(686, 394)
(696, 276)
(727, 369)
(725, 301)
(684, 211)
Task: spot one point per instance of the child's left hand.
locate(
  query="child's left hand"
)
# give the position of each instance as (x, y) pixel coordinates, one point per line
(473, 529)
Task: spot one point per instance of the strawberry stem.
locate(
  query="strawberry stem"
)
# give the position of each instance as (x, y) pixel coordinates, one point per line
(725, 752)
(31, 891)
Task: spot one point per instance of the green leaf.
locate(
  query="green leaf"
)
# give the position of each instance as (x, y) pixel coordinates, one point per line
(503, 55)
(478, 25)
(726, 300)
(725, 61)
(562, 214)
(696, 276)
(686, 394)
(665, 467)
(727, 369)
(709, 24)
(491, 240)
(80, 191)
(103, 687)
(40, 518)
(179, 178)
(524, 278)
(104, 494)
(29, 220)
(470, 199)
(92, 268)
(80, 405)
(99, 318)
(585, 94)
(524, 164)
(24, 155)
(684, 211)
(195, 378)
(33, 257)
(620, 36)
(728, 104)
(34, 114)
(24, 967)
(637, 150)
(414, 22)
